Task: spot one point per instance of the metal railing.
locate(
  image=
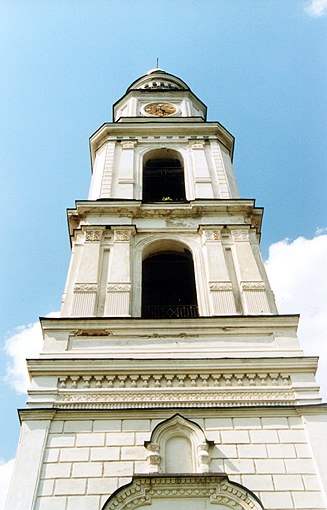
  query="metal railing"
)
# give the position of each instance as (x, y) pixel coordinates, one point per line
(170, 312)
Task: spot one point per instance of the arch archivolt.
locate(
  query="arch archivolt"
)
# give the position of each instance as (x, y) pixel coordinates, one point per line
(149, 243)
(188, 492)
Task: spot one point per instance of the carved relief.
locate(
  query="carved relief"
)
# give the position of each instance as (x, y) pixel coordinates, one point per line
(122, 235)
(93, 235)
(149, 400)
(221, 286)
(128, 144)
(213, 488)
(240, 235)
(118, 287)
(164, 381)
(85, 287)
(252, 286)
(153, 457)
(212, 235)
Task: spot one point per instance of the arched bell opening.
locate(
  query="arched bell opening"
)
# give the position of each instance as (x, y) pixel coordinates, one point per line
(163, 176)
(168, 285)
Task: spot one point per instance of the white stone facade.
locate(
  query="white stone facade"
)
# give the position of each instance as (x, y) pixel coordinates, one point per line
(125, 411)
(85, 460)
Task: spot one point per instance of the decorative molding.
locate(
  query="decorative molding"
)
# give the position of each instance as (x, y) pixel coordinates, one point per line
(253, 286)
(167, 381)
(128, 144)
(197, 144)
(118, 287)
(122, 235)
(240, 235)
(216, 489)
(93, 235)
(212, 235)
(178, 426)
(88, 399)
(85, 287)
(220, 286)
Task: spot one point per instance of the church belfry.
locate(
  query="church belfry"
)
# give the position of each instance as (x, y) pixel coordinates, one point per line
(169, 377)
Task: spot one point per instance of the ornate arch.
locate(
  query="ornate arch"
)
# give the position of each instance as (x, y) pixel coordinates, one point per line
(158, 490)
(175, 427)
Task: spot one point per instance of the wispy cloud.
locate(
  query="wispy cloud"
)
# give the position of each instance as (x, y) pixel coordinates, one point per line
(297, 273)
(316, 8)
(6, 469)
(25, 342)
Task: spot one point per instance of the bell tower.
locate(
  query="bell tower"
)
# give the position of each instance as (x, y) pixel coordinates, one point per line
(169, 378)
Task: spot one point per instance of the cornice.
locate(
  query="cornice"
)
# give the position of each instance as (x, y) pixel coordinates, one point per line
(163, 127)
(135, 209)
(55, 366)
(152, 327)
(36, 414)
(241, 411)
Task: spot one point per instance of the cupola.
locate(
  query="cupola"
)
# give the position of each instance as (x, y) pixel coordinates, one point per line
(158, 95)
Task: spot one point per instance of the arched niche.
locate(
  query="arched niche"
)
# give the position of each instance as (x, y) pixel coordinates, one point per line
(184, 492)
(168, 282)
(178, 445)
(163, 176)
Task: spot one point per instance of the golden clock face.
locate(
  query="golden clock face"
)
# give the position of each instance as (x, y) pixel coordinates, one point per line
(160, 109)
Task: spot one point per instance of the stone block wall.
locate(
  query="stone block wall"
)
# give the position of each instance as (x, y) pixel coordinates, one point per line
(85, 461)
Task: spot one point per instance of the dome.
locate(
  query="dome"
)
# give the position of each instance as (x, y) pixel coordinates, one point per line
(158, 79)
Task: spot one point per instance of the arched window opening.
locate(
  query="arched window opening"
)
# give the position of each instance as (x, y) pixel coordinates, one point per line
(168, 286)
(163, 177)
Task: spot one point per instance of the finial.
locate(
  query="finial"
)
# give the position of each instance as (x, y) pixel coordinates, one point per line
(157, 66)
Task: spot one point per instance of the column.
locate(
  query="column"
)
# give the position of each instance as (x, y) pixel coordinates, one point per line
(220, 287)
(253, 289)
(119, 274)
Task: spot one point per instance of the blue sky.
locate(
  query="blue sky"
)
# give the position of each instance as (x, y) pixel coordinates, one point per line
(258, 65)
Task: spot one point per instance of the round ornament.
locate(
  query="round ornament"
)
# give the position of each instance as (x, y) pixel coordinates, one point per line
(160, 109)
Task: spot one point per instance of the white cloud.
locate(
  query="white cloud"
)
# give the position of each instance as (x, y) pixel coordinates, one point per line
(316, 8)
(25, 342)
(298, 276)
(6, 469)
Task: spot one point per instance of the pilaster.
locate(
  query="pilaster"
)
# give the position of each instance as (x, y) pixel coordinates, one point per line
(27, 469)
(106, 184)
(86, 286)
(126, 169)
(220, 286)
(253, 289)
(119, 275)
(202, 179)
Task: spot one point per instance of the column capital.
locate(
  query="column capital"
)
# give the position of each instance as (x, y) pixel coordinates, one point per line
(123, 234)
(128, 144)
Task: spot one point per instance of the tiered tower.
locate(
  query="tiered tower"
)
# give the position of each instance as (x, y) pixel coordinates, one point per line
(170, 379)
